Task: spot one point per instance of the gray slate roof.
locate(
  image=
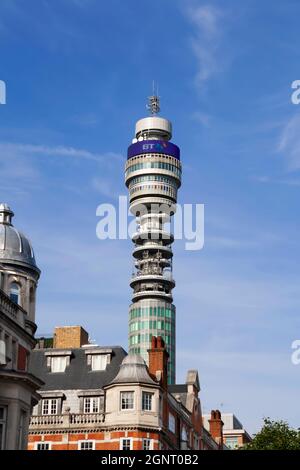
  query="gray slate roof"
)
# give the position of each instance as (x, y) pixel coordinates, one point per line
(181, 390)
(78, 375)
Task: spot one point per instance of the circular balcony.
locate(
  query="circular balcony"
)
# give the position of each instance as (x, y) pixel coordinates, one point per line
(153, 235)
(167, 280)
(152, 249)
(146, 294)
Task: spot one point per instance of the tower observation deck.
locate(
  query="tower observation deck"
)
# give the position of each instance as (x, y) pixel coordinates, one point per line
(153, 176)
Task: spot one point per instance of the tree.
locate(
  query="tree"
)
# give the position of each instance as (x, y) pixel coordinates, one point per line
(275, 435)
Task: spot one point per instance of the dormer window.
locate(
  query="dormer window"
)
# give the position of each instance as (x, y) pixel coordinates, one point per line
(99, 361)
(58, 360)
(98, 358)
(50, 406)
(91, 405)
(58, 364)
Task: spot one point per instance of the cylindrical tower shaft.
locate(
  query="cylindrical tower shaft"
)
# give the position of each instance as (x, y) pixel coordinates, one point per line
(153, 176)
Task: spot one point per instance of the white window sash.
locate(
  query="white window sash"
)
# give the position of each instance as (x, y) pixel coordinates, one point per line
(99, 361)
(91, 405)
(58, 364)
(50, 406)
(127, 440)
(127, 398)
(86, 445)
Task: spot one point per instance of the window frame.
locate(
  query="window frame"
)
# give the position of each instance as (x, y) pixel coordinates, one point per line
(96, 357)
(172, 423)
(127, 408)
(145, 393)
(15, 292)
(230, 440)
(87, 441)
(56, 358)
(47, 443)
(130, 439)
(91, 401)
(150, 443)
(49, 406)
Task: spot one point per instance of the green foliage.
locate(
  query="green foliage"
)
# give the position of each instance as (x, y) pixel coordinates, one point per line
(275, 435)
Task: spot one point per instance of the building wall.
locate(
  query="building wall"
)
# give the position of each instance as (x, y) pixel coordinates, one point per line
(109, 440)
(17, 386)
(114, 415)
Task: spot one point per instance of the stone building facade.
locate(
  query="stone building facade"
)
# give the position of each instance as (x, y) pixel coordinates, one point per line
(18, 281)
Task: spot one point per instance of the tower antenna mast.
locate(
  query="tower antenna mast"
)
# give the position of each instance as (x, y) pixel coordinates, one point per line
(154, 101)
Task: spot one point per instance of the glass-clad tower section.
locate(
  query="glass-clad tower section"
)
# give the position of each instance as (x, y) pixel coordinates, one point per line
(153, 176)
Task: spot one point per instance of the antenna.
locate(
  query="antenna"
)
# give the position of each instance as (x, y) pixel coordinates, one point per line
(153, 101)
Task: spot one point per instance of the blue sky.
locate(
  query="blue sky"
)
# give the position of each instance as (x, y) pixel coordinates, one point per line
(78, 73)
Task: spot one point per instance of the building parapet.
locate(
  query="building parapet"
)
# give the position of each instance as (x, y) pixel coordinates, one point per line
(14, 311)
(67, 420)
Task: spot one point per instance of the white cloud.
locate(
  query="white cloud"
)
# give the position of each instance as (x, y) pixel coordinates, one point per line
(206, 40)
(7, 148)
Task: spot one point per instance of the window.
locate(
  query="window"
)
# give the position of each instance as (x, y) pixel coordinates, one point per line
(58, 364)
(22, 423)
(172, 423)
(127, 399)
(231, 442)
(43, 446)
(126, 444)
(14, 293)
(91, 405)
(147, 444)
(50, 406)
(3, 414)
(99, 361)
(86, 445)
(147, 401)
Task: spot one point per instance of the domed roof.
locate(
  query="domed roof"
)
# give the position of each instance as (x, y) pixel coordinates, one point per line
(133, 370)
(15, 248)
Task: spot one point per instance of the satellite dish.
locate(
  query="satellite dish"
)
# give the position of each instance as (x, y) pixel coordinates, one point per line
(134, 141)
(140, 139)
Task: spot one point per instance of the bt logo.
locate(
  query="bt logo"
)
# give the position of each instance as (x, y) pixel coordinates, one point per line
(2, 92)
(155, 146)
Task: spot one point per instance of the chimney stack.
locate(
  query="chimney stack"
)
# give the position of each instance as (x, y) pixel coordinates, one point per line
(158, 360)
(70, 337)
(216, 427)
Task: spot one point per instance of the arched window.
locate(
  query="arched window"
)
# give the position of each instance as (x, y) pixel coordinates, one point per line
(14, 293)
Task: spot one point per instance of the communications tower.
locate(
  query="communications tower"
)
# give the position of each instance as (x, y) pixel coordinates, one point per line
(153, 176)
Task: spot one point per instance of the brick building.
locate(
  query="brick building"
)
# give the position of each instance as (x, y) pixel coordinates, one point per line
(100, 398)
(234, 434)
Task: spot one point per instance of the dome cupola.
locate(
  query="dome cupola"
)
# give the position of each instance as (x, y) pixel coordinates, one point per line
(19, 273)
(15, 247)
